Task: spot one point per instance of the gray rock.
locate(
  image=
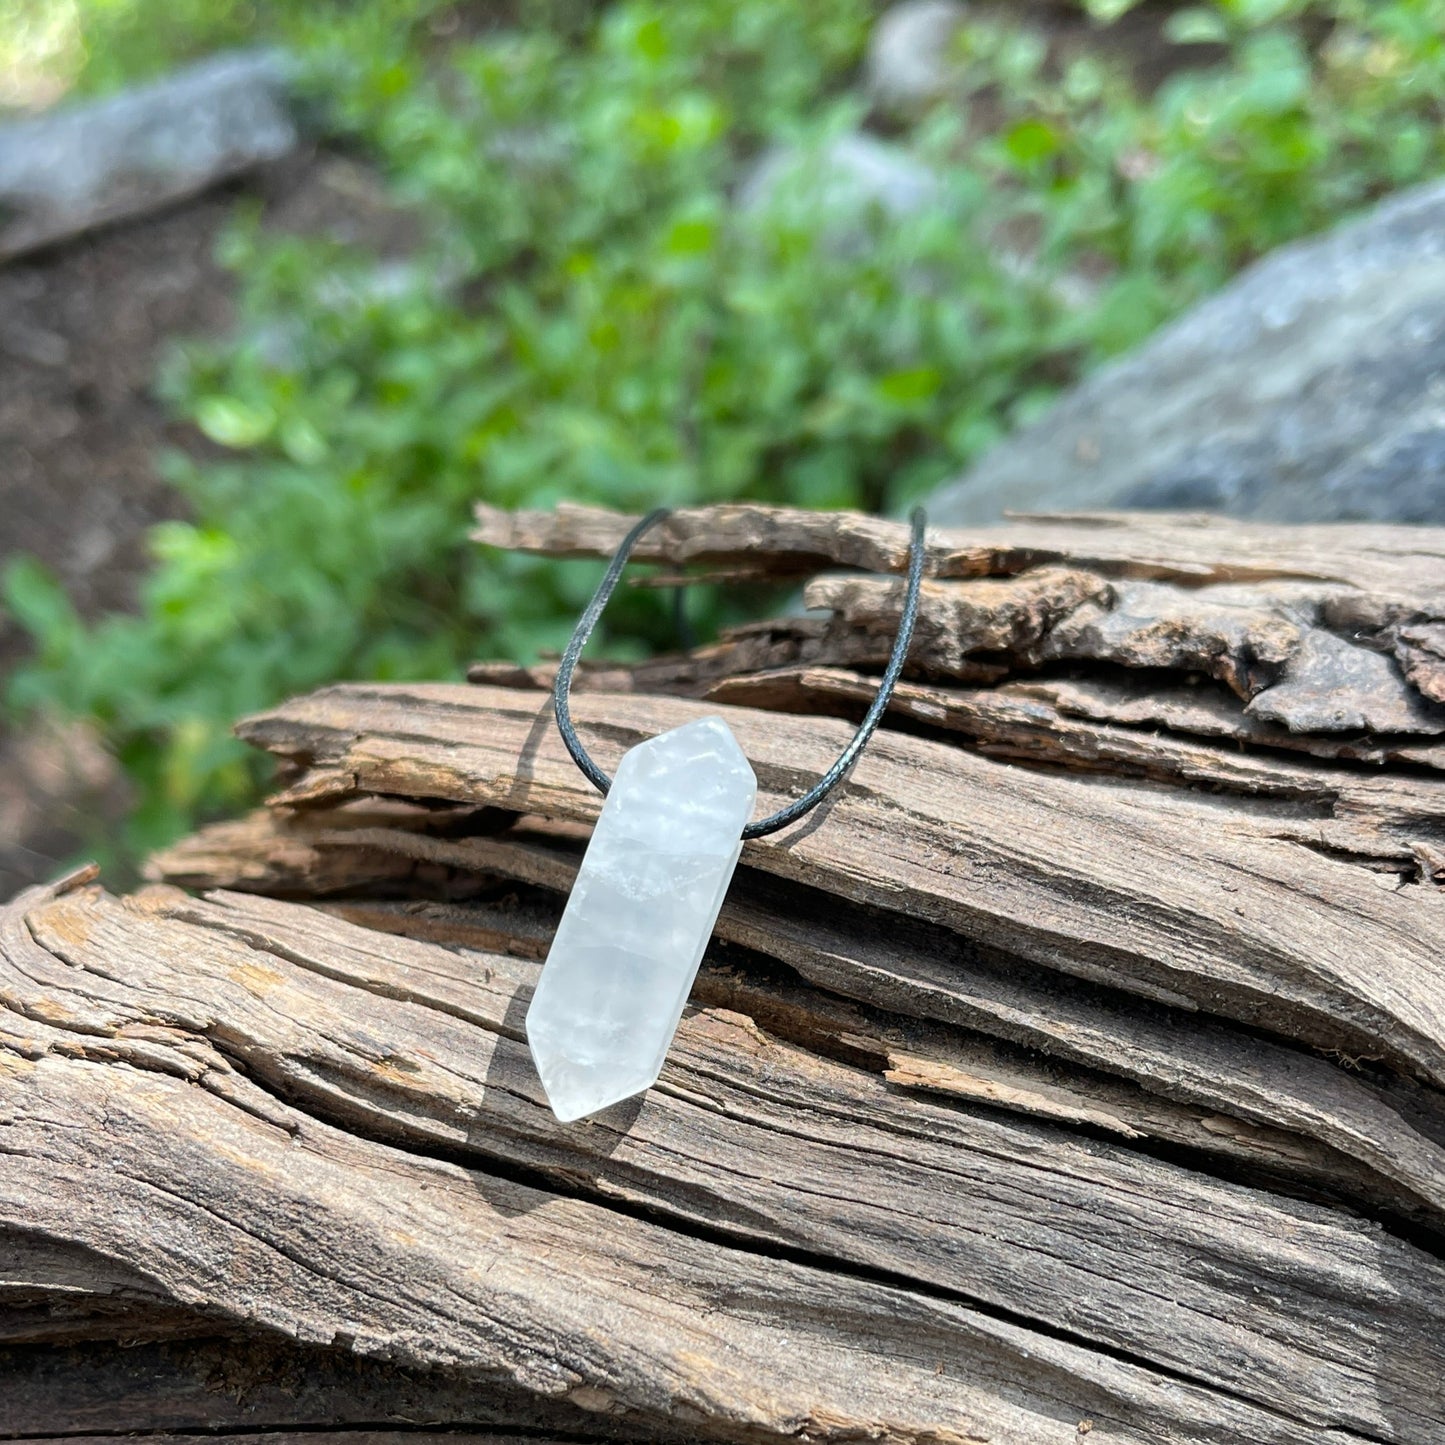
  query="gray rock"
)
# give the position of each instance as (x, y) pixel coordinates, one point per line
(908, 65)
(1312, 388)
(83, 165)
(848, 175)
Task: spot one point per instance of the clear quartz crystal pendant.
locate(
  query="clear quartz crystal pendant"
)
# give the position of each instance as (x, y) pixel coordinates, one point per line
(639, 917)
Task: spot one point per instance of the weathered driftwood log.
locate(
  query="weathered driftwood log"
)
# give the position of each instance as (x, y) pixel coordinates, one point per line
(1077, 1071)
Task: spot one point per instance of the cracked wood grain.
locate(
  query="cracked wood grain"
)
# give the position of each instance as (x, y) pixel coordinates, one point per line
(378, 1116)
(347, 1185)
(302, 1229)
(1192, 1082)
(1178, 897)
(306, 1436)
(275, 1390)
(1263, 1103)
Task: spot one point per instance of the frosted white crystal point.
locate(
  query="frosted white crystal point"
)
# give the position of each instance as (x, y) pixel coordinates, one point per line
(639, 917)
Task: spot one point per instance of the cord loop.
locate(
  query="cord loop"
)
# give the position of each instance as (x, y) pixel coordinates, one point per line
(562, 688)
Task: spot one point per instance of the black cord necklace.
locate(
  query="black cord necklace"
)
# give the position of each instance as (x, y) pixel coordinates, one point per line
(650, 886)
(562, 687)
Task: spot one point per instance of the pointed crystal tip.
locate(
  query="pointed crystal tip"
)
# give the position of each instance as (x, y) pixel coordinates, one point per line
(575, 1090)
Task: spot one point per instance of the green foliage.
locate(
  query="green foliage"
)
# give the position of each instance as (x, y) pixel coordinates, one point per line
(595, 319)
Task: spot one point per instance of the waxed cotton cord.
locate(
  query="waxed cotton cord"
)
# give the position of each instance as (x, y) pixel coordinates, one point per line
(562, 688)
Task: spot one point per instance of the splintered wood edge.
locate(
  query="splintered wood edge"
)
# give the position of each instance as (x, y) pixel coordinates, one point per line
(1188, 549)
(1338, 647)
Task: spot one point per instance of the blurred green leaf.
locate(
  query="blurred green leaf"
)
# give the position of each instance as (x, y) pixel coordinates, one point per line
(232, 422)
(916, 384)
(591, 317)
(1107, 11)
(1031, 141)
(34, 598)
(1197, 27)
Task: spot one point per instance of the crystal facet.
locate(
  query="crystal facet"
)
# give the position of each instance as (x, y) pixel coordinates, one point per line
(639, 917)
